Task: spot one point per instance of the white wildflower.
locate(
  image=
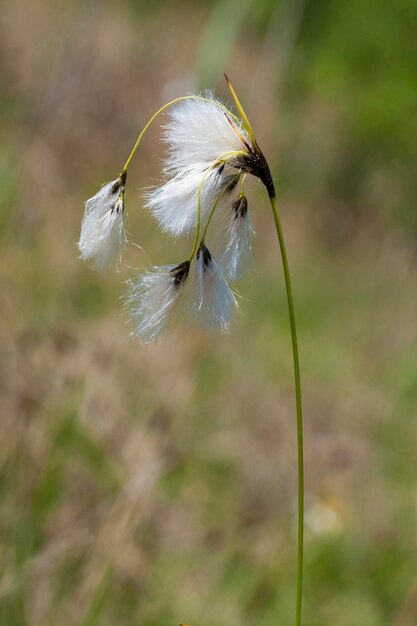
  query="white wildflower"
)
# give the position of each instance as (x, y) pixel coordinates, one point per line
(202, 146)
(200, 132)
(209, 150)
(175, 203)
(153, 297)
(215, 304)
(239, 238)
(102, 230)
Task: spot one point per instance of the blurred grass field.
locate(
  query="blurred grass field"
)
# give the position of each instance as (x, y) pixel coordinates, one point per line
(151, 485)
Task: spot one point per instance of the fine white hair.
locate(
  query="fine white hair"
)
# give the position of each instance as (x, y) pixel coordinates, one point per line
(198, 132)
(208, 151)
(152, 300)
(175, 203)
(102, 231)
(215, 303)
(237, 254)
(200, 138)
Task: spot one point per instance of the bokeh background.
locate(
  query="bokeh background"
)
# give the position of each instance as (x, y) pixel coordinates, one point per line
(152, 485)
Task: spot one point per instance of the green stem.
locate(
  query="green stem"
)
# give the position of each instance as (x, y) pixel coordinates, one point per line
(198, 228)
(197, 232)
(219, 197)
(139, 139)
(299, 412)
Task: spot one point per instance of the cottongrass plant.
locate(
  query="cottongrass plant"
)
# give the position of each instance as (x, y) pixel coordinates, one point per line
(210, 152)
(239, 236)
(152, 299)
(102, 229)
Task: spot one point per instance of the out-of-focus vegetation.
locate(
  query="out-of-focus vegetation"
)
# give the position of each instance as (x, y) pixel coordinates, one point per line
(152, 485)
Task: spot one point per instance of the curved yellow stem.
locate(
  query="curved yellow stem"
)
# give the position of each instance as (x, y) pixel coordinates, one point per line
(197, 232)
(198, 228)
(139, 139)
(221, 194)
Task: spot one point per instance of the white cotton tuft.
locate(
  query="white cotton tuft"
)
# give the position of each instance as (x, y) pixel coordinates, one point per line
(215, 303)
(200, 138)
(175, 202)
(153, 297)
(198, 132)
(102, 231)
(239, 238)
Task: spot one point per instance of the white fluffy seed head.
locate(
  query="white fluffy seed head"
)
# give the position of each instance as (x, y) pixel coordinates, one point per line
(200, 138)
(237, 254)
(175, 203)
(215, 303)
(199, 132)
(152, 300)
(102, 231)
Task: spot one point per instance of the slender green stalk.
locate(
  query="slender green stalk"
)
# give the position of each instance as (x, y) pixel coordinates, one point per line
(299, 412)
(197, 231)
(198, 228)
(219, 197)
(166, 106)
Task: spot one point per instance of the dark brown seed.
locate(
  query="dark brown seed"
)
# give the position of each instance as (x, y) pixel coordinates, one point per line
(240, 206)
(230, 182)
(179, 273)
(206, 255)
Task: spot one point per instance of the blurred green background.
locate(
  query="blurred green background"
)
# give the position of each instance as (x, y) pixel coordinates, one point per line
(152, 485)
